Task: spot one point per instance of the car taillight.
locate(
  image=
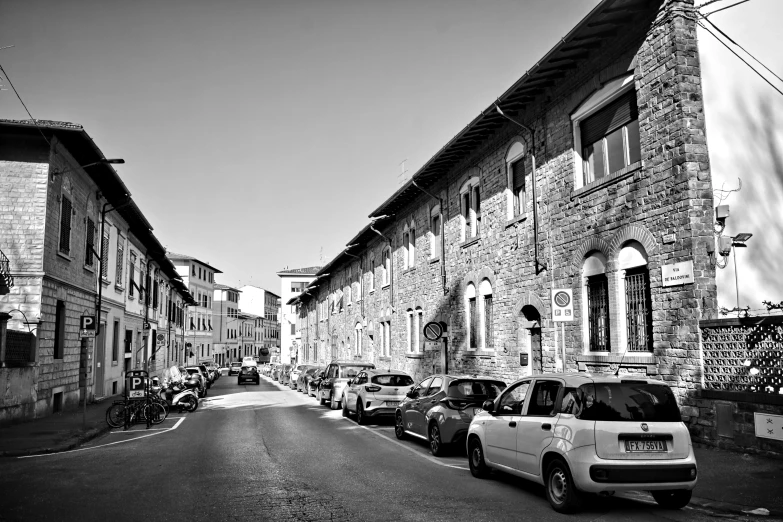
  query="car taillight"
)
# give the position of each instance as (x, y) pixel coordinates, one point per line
(372, 388)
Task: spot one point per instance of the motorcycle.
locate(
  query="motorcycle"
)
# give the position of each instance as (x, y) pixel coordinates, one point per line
(179, 390)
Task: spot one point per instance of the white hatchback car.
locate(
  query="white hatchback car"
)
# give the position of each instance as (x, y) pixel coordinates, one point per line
(586, 433)
(375, 393)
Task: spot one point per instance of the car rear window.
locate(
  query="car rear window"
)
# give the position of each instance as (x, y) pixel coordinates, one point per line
(236, 364)
(349, 372)
(628, 401)
(392, 380)
(467, 389)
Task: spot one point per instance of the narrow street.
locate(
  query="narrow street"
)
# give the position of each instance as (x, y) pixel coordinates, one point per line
(269, 453)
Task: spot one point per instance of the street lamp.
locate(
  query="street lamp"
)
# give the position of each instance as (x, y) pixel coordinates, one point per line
(738, 241)
(104, 161)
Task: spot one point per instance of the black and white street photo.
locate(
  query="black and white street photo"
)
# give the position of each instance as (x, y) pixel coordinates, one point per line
(437, 260)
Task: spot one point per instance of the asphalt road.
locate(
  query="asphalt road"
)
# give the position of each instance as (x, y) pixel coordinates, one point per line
(269, 453)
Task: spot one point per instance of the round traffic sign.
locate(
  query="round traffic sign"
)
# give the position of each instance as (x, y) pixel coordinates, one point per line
(433, 331)
(562, 299)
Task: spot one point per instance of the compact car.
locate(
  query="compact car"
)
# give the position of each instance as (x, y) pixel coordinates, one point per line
(304, 378)
(195, 371)
(375, 393)
(296, 371)
(234, 368)
(249, 373)
(579, 433)
(440, 408)
(337, 375)
(285, 374)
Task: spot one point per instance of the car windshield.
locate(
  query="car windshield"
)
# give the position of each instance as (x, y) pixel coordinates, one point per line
(392, 380)
(236, 364)
(468, 389)
(249, 369)
(191, 371)
(628, 401)
(349, 372)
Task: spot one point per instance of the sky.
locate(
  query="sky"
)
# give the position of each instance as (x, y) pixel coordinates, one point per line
(259, 135)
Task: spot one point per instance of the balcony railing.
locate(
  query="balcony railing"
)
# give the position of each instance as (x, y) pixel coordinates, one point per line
(6, 281)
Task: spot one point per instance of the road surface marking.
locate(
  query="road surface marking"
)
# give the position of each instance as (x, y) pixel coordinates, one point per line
(109, 444)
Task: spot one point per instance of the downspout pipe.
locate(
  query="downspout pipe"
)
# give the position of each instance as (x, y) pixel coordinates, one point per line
(442, 237)
(540, 266)
(391, 261)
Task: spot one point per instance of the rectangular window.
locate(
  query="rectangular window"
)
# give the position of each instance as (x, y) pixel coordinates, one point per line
(472, 321)
(476, 200)
(105, 252)
(638, 308)
(65, 225)
(488, 334)
(598, 312)
(293, 329)
(59, 330)
(155, 291)
(193, 270)
(385, 259)
(518, 187)
(466, 214)
(115, 342)
(387, 338)
(120, 260)
(131, 276)
(610, 138)
(412, 248)
(90, 243)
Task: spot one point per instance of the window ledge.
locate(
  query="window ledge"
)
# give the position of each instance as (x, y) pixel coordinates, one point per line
(480, 353)
(434, 260)
(64, 256)
(409, 270)
(89, 268)
(386, 359)
(414, 356)
(616, 358)
(470, 241)
(513, 221)
(384, 287)
(607, 180)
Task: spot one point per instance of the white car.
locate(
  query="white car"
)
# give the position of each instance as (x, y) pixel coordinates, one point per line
(581, 433)
(375, 393)
(294, 376)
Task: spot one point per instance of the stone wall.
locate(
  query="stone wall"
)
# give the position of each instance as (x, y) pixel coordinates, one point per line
(663, 204)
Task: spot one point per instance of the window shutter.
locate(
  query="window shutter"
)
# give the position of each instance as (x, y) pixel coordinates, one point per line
(617, 113)
(518, 173)
(88, 254)
(120, 260)
(65, 226)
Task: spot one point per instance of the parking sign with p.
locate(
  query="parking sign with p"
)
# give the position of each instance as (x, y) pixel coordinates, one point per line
(87, 326)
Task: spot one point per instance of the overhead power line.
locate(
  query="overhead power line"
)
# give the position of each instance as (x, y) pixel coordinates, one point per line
(25, 106)
(705, 15)
(740, 57)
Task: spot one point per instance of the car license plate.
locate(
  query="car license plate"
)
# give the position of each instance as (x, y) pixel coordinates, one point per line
(392, 403)
(647, 446)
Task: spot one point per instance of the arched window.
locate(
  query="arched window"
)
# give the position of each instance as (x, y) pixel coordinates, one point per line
(487, 332)
(471, 315)
(635, 298)
(470, 208)
(386, 266)
(436, 222)
(372, 274)
(412, 245)
(516, 173)
(358, 334)
(595, 299)
(406, 239)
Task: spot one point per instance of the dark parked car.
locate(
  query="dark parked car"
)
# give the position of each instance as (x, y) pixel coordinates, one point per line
(314, 381)
(249, 374)
(439, 409)
(304, 378)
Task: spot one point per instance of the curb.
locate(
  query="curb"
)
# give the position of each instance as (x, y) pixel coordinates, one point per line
(67, 445)
(709, 505)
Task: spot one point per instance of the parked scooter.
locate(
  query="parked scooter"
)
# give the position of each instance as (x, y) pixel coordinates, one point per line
(179, 391)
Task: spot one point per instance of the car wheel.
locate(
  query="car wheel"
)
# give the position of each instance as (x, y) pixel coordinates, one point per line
(361, 418)
(436, 443)
(478, 468)
(333, 404)
(672, 498)
(399, 426)
(561, 491)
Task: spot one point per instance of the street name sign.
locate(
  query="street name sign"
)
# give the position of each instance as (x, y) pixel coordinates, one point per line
(677, 273)
(562, 304)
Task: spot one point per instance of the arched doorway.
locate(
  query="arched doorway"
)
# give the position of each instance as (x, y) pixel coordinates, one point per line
(530, 339)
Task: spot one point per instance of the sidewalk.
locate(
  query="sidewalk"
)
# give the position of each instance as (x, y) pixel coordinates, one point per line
(728, 482)
(57, 432)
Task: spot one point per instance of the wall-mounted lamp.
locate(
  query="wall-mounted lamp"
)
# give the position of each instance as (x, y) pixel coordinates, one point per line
(105, 161)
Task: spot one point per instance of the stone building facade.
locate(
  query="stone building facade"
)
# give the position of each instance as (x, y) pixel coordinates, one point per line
(55, 182)
(589, 175)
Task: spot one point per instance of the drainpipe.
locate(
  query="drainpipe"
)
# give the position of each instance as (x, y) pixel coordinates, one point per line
(539, 265)
(442, 238)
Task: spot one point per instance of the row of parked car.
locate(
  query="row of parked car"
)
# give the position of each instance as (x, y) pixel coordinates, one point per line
(206, 374)
(574, 433)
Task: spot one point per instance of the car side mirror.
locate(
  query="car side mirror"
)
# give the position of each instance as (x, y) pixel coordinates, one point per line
(411, 394)
(488, 406)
